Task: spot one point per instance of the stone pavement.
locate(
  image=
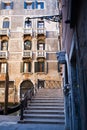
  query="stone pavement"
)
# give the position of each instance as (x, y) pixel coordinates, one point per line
(10, 123)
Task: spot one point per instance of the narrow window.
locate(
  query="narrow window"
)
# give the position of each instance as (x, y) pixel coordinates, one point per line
(28, 23)
(27, 45)
(4, 45)
(39, 67)
(39, 5)
(6, 23)
(40, 24)
(2, 67)
(29, 5)
(27, 67)
(40, 47)
(7, 6)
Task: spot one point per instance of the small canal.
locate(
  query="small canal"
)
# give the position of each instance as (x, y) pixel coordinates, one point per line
(11, 106)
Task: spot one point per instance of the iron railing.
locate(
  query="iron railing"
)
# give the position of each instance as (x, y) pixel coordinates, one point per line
(24, 101)
(3, 54)
(28, 31)
(41, 31)
(27, 54)
(4, 32)
(41, 53)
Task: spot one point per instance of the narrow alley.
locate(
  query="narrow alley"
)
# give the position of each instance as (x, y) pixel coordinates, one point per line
(43, 65)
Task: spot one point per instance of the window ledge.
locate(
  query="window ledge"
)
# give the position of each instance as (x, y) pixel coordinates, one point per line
(24, 73)
(41, 73)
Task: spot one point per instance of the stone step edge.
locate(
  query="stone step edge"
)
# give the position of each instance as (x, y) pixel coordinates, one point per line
(41, 122)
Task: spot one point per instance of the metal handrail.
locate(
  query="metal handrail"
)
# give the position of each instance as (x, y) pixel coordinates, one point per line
(23, 102)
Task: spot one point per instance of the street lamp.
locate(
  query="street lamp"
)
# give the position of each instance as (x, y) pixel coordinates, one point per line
(53, 18)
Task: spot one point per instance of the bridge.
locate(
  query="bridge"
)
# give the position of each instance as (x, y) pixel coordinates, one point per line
(40, 109)
(46, 106)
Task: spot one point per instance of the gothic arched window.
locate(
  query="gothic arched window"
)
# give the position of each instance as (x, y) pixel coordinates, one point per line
(27, 45)
(28, 23)
(6, 23)
(4, 45)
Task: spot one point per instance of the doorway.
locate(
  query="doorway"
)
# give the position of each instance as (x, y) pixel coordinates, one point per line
(25, 86)
(41, 83)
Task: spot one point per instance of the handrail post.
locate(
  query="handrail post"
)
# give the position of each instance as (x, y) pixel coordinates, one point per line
(21, 107)
(24, 99)
(21, 110)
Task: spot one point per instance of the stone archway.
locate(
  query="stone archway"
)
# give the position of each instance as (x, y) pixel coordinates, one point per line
(24, 86)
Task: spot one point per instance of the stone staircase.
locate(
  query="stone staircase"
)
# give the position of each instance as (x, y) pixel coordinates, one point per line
(47, 107)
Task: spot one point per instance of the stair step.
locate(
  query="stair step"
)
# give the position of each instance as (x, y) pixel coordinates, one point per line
(43, 116)
(43, 121)
(46, 101)
(45, 108)
(44, 111)
(48, 95)
(48, 98)
(44, 104)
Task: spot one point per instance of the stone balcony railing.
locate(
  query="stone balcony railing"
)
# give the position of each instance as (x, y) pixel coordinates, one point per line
(41, 31)
(28, 31)
(27, 54)
(41, 54)
(4, 32)
(3, 54)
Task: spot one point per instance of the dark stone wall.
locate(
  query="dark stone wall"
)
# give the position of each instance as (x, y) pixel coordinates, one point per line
(82, 59)
(67, 31)
(80, 31)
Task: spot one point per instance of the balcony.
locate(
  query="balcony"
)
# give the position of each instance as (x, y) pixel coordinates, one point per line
(61, 57)
(41, 54)
(40, 31)
(4, 32)
(3, 54)
(28, 31)
(27, 54)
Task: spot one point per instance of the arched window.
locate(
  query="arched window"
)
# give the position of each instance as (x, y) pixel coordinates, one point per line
(6, 23)
(28, 23)
(41, 45)
(27, 45)
(4, 45)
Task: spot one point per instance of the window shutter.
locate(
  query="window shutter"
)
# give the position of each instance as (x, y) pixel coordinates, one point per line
(38, 24)
(4, 24)
(42, 5)
(43, 66)
(36, 66)
(29, 67)
(0, 67)
(32, 5)
(11, 5)
(25, 5)
(44, 46)
(7, 24)
(37, 46)
(36, 4)
(21, 67)
(2, 5)
(46, 67)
